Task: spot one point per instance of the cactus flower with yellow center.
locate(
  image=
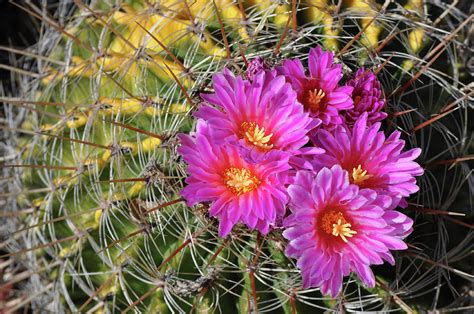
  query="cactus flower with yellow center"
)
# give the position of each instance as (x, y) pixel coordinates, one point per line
(336, 228)
(238, 191)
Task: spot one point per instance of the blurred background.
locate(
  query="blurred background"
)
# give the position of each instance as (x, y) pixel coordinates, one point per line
(17, 30)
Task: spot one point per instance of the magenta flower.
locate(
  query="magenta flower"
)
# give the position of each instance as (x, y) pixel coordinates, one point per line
(372, 160)
(319, 93)
(256, 66)
(237, 190)
(367, 96)
(260, 116)
(336, 228)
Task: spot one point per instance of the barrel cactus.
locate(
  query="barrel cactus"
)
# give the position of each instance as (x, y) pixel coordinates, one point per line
(94, 178)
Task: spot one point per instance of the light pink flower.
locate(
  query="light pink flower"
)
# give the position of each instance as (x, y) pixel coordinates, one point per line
(372, 160)
(336, 228)
(238, 191)
(260, 116)
(319, 92)
(368, 97)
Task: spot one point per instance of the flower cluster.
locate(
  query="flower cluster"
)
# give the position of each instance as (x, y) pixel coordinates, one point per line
(240, 155)
(304, 148)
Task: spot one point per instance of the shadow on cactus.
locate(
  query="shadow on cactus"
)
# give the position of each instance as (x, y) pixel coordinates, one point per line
(249, 156)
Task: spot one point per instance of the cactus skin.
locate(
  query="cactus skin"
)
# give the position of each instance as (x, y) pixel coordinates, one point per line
(107, 212)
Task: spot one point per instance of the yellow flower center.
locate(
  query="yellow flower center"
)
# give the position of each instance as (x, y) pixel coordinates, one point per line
(359, 175)
(314, 99)
(255, 135)
(240, 180)
(335, 224)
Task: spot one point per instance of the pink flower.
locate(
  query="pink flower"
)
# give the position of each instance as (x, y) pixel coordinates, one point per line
(372, 160)
(256, 66)
(319, 92)
(336, 228)
(367, 96)
(237, 190)
(259, 116)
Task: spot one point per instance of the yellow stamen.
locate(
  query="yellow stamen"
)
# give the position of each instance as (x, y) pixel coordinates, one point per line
(240, 180)
(255, 135)
(335, 224)
(342, 230)
(315, 98)
(359, 175)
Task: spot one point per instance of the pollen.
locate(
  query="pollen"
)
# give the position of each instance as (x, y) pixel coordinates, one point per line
(359, 175)
(240, 180)
(334, 223)
(256, 135)
(314, 99)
